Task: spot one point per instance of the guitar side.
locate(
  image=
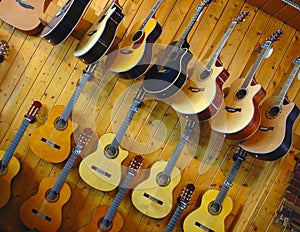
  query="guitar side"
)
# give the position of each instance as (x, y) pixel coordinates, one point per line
(202, 220)
(100, 172)
(60, 148)
(38, 213)
(98, 215)
(153, 200)
(6, 178)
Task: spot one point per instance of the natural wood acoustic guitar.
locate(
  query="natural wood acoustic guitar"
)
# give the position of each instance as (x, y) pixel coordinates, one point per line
(215, 205)
(134, 54)
(102, 168)
(273, 139)
(52, 141)
(204, 88)
(107, 218)
(239, 116)
(99, 38)
(43, 211)
(154, 196)
(3, 49)
(64, 22)
(168, 76)
(24, 14)
(9, 165)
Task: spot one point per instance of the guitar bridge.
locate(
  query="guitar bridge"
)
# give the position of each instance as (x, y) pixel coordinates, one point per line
(203, 227)
(232, 110)
(41, 215)
(50, 143)
(266, 128)
(153, 199)
(100, 171)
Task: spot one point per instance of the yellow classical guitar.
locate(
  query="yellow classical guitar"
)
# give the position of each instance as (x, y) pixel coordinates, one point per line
(9, 165)
(52, 141)
(215, 205)
(102, 168)
(154, 196)
(43, 211)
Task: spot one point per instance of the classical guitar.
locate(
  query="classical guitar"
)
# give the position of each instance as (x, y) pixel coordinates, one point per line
(215, 205)
(64, 22)
(273, 138)
(239, 117)
(52, 141)
(99, 38)
(43, 211)
(204, 87)
(134, 55)
(183, 202)
(3, 49)
(108, 218)
(154, 196)
(165, 78)
(102, 168)
(9, 165)
(24, 15)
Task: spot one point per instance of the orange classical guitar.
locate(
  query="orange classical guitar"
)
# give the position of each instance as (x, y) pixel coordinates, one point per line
(43, 211)
(239, 117)
(9, 165)
(108, 218)
(52, 141)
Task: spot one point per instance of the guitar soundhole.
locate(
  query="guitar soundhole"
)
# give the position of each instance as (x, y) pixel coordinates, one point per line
(240, 94)
(273, 112)
(51, 197)
(111, 152)
(137, 35)
(60, 124)
(205, 74)
(214, 208)
(162, 179)
(104, 226)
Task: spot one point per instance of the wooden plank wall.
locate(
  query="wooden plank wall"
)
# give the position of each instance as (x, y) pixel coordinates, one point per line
(36, 70)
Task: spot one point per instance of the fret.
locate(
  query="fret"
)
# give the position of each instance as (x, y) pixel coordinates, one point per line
(174, 219)
(152, 12)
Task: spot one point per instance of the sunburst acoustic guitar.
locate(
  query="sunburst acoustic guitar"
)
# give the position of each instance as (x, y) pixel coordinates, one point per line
(53, 140)
(134, 54)
(107, 218)
(43, 211)
(204, 87)
(102, 168)
(99, 38)
(273, 138)
(3, 49)
(215, 205)
(154, 196)
(9, 165)
(239, 116)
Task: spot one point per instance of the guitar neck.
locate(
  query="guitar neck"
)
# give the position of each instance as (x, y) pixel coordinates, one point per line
(174, 219)
(152, 12)
(14, 143)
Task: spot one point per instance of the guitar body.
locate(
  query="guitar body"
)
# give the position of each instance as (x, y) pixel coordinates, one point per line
(273, 139)
(12, 170)
(201, 217)
(166, 81)
(143, 193)
(33, 209)
(134, 56)
(243, 117)
(98, 215)
(25, 17)
(65, 21)
(100, 172)
(99, 38)
(60, 138)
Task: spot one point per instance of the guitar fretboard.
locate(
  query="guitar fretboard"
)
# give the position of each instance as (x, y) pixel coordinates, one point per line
(152, 12)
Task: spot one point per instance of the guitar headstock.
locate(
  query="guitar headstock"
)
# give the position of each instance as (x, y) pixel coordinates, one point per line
(185, 198)
(3, 49)
(240, 154)
(140, 95)
(135, 164)
(241, 17)
(274, 37)
(33, 110)
(83, 139)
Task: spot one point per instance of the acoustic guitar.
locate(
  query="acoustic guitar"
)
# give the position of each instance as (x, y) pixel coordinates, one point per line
(273, 139)
(239, 116)
(24, 15)
(99, 38)
(183, 202)
(108, 218)
(64, 22)
(43, 211)
(52, 141)
(134, 55)
(168, 76)
(102, 168)
(204, 87)
(154, 196)
(9, 165)
(215, 205)
(3, 49)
